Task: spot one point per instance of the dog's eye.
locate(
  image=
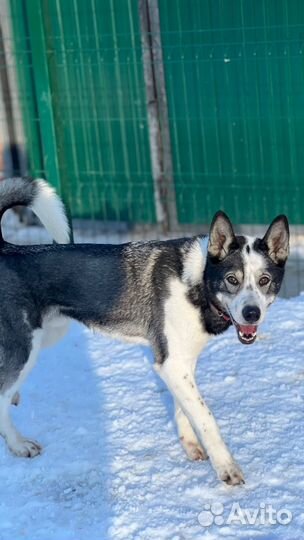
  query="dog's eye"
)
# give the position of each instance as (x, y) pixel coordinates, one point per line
(264, 281)
(232, 280)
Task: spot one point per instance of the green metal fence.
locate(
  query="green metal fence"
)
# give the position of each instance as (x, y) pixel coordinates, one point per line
(234, 79)
(235, 75)
(83, 60)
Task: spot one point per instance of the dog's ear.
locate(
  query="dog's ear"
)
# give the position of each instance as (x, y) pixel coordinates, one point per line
(221, 236)
(277, 239)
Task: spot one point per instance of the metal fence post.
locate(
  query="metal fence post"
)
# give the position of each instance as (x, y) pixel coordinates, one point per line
(157, 110)
(6, 92)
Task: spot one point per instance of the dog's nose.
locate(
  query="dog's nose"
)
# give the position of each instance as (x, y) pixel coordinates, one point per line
(251, 314)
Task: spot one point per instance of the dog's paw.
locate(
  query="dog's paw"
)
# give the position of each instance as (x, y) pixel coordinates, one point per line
(25, 448)
(194, 451)
(231, 475)
(16, 399)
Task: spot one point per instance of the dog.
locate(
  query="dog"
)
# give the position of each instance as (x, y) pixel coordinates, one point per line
(174, 295)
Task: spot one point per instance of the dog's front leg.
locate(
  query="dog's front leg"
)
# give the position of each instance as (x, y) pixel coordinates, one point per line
(187, 436)
(177, 375)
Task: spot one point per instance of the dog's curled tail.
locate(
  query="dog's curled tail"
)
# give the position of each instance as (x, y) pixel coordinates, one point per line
(40, 197)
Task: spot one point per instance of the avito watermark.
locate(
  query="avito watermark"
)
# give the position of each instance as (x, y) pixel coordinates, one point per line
(264, 514)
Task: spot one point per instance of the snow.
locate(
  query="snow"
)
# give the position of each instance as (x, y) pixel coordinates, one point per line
(112, 466)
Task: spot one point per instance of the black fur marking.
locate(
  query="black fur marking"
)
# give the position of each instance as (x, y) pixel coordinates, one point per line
(276, 270)
(168, 264)
(248, 249)
(211, 322)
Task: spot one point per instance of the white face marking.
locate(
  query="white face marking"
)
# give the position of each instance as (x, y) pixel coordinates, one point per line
(249, 293)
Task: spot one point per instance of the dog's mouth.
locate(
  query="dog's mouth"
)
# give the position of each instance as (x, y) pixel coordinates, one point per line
(247, 333)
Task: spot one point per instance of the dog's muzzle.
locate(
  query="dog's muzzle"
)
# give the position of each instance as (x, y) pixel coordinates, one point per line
(246, 333)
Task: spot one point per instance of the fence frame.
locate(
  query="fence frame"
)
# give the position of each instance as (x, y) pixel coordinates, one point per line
(157, 111)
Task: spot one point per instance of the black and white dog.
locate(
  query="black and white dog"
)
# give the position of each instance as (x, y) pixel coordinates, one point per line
(174, 295)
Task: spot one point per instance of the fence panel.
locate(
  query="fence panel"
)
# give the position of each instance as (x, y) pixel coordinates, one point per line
(235, 78)
(93, 52)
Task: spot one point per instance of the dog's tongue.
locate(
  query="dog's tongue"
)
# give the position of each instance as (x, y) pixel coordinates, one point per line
(247, 329)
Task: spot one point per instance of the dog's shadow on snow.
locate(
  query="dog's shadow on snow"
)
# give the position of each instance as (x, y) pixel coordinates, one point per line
(61, 407)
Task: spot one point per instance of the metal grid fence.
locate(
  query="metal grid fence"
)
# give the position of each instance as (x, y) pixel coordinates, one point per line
(148, 116)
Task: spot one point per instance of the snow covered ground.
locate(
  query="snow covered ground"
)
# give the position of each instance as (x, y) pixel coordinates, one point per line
(112, 466)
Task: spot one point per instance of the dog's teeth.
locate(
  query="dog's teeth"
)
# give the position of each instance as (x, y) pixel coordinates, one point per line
(248, 338)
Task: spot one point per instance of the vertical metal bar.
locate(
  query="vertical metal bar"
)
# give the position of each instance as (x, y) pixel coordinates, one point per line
(43, 92)
(6, 92)
(12, 163)
(53, 165)
(152, 111)
(159, 77)
(157, 115)
(24, 85)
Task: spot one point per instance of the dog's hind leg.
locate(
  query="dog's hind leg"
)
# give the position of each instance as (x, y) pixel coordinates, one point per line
(19, 445)
(16, 399)
(54, 329)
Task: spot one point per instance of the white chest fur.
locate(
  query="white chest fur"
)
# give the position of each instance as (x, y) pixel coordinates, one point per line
(183, 328)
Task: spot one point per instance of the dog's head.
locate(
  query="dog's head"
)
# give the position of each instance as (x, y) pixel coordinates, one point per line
(243, 275)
